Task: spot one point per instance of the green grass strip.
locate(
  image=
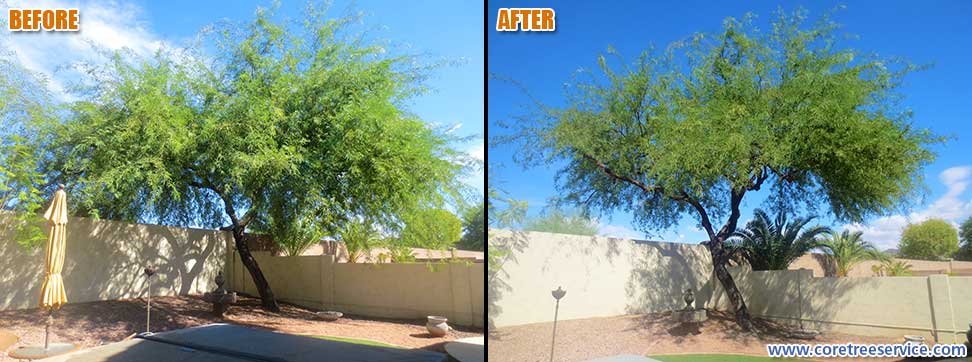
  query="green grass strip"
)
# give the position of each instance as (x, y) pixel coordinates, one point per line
(358, 341)
(718, 358)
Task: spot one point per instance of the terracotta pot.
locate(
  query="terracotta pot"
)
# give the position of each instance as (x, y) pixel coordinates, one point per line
(437, 326)
(914, 339)
(330, 316)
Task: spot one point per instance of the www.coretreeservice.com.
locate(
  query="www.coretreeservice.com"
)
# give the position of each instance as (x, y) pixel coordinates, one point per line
(865, 350)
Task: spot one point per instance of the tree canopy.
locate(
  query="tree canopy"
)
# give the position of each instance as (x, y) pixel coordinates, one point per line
(431, 229)
(474, 228)
(693, 129)
(25, 107)
(933, 239)
(965, 238)
(558, 220)
(297, 124)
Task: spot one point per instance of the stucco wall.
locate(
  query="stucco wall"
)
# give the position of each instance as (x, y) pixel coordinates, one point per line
(934, 306)
(409, 290)
(821, 266)
(609, 277)
(602, 276)
(104, 261)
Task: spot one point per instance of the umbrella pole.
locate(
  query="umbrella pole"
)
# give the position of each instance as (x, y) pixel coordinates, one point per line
(47, 330)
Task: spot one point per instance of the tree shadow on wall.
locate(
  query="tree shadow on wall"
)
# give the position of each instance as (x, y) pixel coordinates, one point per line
(796, 300)
(826, 263)
(661, 274)
(509, 243)
(22, 270)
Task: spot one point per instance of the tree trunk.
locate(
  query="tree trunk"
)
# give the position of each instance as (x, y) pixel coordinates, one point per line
(268, 301)
(719, 262)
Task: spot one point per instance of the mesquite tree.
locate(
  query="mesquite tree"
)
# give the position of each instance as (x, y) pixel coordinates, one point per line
(697, 128)
(300, 125)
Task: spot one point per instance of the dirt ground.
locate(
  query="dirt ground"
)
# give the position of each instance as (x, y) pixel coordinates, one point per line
(96, 323)
(583, 339)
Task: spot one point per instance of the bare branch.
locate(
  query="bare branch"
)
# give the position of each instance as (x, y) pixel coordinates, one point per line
(610, 172)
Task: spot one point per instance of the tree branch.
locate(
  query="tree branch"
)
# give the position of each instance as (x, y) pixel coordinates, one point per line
(735, 198)
(610, 172)
(703, 215)
(227, 204)
(682, 196)
(758, 182)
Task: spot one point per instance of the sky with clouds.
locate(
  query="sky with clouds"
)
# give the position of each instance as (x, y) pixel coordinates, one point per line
(934, 34)
(145, 26)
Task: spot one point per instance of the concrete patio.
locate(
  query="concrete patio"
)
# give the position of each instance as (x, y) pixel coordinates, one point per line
(226, 342)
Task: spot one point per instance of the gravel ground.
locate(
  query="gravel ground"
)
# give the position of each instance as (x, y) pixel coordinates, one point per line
(582, 339)
(96, 323)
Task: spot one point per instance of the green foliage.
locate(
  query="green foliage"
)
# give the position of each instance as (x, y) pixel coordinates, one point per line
(473, 228)
(848, 249)
(25, 107)
(559, 221)
(695, 128)
(295, 237)
(892, 268)
(772, 244)
(359, 237)
(933, 239)
(399, 252)
(431, 229)
(502, 211)
(965, 237)
(290, 116)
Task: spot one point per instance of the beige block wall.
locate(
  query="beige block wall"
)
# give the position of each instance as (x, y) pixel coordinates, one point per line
(821, 267)
(104, 261)
(610, 277)
(410, 290)
(603, 276)
(878, 306)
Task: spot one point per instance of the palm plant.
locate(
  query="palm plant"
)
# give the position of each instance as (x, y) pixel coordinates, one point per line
(847, 249)
(359, 237)
(295, 237)
(893, 268)
(772, 244)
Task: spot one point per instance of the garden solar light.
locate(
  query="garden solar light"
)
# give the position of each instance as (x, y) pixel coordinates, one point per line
(149, 272)
(557, 294)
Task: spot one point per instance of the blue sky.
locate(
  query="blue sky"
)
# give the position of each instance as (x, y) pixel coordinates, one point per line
(922, 32)
(143, 26)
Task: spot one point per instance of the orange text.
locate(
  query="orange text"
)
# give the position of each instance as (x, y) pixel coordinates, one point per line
(46, 19)
(525, 19)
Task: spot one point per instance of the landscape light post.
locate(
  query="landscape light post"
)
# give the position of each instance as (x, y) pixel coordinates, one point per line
(557, 294)
(149, 272)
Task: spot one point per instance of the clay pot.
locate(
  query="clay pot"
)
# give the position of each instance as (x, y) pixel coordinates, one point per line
(437, 326)
(914, 339)
(330, 316)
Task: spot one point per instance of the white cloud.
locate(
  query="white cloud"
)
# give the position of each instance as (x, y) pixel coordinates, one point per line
(618, 231)
(477, 178)
(478, 151)
(886, 231)
(454, 127)
(104, 24)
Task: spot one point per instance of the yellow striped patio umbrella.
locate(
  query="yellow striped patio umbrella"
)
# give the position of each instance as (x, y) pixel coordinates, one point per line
(52, 293)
